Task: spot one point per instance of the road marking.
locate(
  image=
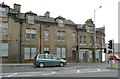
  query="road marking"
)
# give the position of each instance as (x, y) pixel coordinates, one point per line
(44, 74)
(53, 72)
(78, 71)
(12, 74)
(98, 69)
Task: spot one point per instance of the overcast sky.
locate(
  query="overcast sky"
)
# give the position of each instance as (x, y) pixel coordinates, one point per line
(76, 10)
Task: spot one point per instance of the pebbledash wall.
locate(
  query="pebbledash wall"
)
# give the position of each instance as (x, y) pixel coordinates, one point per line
(25, 34)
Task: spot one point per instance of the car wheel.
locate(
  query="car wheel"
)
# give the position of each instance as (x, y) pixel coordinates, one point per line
(41, 65)
(61, 64)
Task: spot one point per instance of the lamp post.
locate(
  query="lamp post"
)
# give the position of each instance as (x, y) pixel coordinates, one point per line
(95, 32)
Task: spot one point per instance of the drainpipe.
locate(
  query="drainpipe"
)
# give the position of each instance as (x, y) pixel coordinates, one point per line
(40, 37)
(20, 55)
(77, 47)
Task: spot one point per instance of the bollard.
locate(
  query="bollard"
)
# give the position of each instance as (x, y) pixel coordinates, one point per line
(112, 63)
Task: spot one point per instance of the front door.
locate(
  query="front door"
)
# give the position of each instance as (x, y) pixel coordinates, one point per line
(74, 56)
(84, 57)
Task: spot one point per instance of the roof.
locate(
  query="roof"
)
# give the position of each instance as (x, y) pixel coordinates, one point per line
(3, 5)
(30, 12)
(52, 20)
(21, 15)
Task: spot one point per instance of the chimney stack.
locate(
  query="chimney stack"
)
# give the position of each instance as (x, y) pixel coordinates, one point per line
(47, 14)
(17, 8)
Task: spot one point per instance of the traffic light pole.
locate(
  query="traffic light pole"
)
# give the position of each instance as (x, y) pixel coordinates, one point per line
(113, 46)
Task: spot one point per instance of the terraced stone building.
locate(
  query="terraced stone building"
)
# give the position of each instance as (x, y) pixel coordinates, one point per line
(22, 35)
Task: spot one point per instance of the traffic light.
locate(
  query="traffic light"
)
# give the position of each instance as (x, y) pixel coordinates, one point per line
(110, 44)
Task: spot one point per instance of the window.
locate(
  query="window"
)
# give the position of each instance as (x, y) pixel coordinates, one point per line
(48, 56)
(58, 52)
(61, 52)
(97, 54)
(30, 33)
(46, 50)
(80, 39)
(33, 33)
(58, 35)
(91, 40)
(90, 54)
(2, 12)
(4, 28)
(31, 19)
(84, 41)
(46, 34)
(33, 52)
(61, 23)
(98, 40)
(29, 52)
(74, 36)
(41, 56)
(61, 35)
(90, 29)
(4, 50)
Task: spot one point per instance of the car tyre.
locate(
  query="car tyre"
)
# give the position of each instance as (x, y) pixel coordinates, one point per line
(41, 65)
(61, 64)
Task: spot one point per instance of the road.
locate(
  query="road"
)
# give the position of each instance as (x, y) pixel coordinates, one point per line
(70, 70)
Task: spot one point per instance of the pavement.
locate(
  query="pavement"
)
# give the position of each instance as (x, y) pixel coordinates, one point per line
(81, 65)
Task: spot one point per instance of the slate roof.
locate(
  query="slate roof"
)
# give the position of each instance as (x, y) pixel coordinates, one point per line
(52, 20)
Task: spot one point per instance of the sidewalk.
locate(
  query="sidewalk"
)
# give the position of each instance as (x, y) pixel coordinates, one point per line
(73, 64)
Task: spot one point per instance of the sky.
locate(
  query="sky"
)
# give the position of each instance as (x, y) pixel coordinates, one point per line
(78, 11)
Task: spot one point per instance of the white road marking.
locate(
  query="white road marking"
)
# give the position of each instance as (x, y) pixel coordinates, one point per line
(98, 69)
(12, 74)
(44, 74)
(78, 71)
(53, 72)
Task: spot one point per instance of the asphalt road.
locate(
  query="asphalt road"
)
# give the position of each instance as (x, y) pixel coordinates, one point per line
(70, 70)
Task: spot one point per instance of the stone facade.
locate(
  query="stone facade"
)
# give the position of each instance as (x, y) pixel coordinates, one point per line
(29, 33)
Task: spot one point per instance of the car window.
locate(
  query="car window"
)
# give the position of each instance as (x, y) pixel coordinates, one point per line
(41, 56)
(48, 56)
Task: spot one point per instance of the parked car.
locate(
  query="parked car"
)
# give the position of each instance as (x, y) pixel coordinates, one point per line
(42, 60)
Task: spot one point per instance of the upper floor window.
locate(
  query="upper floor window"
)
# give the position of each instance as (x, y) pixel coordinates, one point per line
(60, 23)
(61, 35)
(4, 28)
(91, 40)
(97, 40)
(80, 39)
(84, 41)
(46, 34)
(31, 19)
(30, 33)
(90, 29)
(74, 36)
(2, 12)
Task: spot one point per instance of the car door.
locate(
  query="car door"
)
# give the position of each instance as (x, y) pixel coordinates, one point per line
(49, 60)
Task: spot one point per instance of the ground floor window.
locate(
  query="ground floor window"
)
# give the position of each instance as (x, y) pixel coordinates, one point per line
(29, 52)
(97, 54)
(4, 50)
(61, 52)
(46, 50)
(90, 54)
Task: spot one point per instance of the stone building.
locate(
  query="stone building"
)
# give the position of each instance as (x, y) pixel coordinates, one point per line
(25, 34)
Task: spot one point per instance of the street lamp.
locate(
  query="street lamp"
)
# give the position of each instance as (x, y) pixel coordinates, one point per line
(95, 30)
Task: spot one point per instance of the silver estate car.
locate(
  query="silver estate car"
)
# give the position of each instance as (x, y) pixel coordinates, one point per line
(42, 60)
